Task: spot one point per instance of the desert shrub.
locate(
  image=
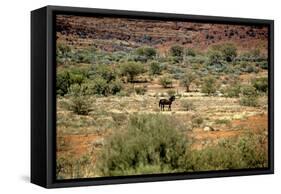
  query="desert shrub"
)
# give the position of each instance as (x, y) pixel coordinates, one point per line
(248, 90)
(218, 55)
(249, 69)
(190, 52)
(69, 167)
(80, 105)
(141, 90)
(104, 71)
(229, 52)
(100, 86)
(247, 151)
(214, 57)
(253, 55)
(176, 52)
(232, 91)
(63, 82)
(149, 144)
(176, 72)
(115, 86)
(155, 68)
(209, 85)
(263, 65)
(85, 55)
(249, 101)
(187, 79)
(261, 84)
(131, 70)
(145, 53)
(187, 105)
(197, 121)
(249, 96)
(78, 90)
(222, 121)
(63, 54)
(166, 82)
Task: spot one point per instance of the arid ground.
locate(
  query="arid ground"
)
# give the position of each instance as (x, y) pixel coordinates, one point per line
(111, 74)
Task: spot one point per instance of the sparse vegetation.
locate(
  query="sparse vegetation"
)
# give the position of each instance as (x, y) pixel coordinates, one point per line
(166, 82)
(109, 85)
(149, 142)
(187, 79)
(209, 85)
(155, 68)
(187, 105)
(131, 70)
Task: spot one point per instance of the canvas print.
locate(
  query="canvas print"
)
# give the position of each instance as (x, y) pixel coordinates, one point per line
(145, 96)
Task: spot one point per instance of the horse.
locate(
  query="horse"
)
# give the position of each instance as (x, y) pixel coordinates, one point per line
(164, 102)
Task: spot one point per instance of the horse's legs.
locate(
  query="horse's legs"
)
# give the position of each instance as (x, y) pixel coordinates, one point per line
(169, 107)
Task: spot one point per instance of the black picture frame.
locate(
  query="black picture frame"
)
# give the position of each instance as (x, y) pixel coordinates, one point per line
(43, 97)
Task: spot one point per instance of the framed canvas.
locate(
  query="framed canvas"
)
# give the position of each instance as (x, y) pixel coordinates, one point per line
(126, 96)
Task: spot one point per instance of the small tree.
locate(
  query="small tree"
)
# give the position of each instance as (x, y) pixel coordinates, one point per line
(176, 52)
(249, 96)
(155, 68)
(131, 70)
(209, 85)
(187, 79)
(214, 57)
(166, 82)
(261, 84)
(229, 52)
(79, 99)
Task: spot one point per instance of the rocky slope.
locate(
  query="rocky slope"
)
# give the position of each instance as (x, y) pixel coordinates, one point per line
(114, 34)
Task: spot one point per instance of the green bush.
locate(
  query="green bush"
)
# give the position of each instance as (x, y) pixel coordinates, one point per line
(263, 65)
(229, 52)
(261, 84)
(145, 53)
(176, 52)
(249, 97)
(104, 71)
(115, 86)
(187, 79)
(100, 86)
(80, 105)
(141, 90)
(131, 70)
(248, 90)
(249, 101)
(209, 85)
(63, 82)
(63, 54)
(214, 57)
(197, 121)
(166, 82)
(247, 151)
(155, 68)
(149, 144)
(69, 167)
(232, 91)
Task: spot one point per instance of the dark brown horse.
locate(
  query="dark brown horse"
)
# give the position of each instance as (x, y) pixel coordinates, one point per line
(164, 102)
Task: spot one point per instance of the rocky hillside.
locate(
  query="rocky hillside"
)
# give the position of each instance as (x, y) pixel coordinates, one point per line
(113, 34)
